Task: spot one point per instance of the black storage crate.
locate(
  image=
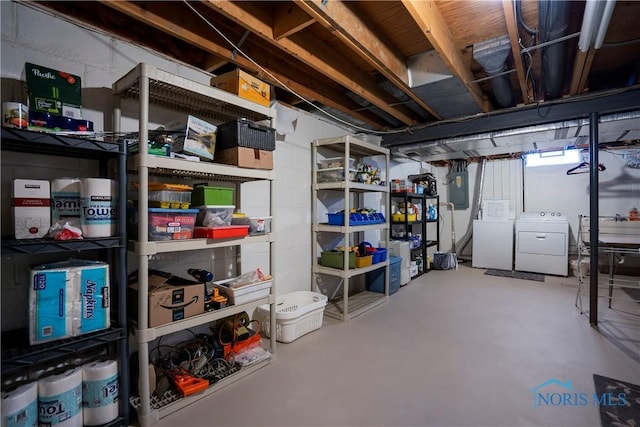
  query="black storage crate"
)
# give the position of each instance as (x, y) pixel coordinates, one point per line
(244, 133)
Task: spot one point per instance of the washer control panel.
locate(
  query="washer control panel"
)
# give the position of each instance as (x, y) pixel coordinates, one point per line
(543, 216)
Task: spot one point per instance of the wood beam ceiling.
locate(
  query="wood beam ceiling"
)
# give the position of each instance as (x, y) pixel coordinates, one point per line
(512, 28)
(358, 35)
(289, 19)
(426, 15)
(191, 31)
(319, 56)
(581, 68)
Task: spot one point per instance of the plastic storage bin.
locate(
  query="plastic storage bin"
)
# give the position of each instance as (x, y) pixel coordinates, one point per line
(335, 175)
(356, 218)
(210, 196)
(169, 199)
(214, 216)
(336, 162)
(297, 314)
(364, 261)
(165, 224)
(335, 259)
(257, 224)
(243, 294)
(400, 217)
(375, 279)
(379, 254)
(224, 232)
(244, 133)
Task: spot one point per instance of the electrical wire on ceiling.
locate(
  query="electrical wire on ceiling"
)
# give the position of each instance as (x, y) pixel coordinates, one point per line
(407, 129)
(620, 43)
(238, 50)
(456, 166)
(528, 58)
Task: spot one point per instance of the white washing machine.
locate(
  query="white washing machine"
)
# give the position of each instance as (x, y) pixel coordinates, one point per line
(492, 244)
(542, 243)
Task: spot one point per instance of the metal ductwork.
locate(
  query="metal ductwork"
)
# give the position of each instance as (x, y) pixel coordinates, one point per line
(553, 23)
(492, 55)
(432, 81)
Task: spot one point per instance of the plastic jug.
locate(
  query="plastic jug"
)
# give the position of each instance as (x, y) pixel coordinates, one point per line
(432, 213)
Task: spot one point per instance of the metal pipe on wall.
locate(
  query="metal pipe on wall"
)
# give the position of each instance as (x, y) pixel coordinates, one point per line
(475, 208)
(593, 218)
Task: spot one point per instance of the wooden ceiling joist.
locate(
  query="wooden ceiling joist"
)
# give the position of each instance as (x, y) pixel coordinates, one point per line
(426, 15)
(355, 33)
(512, 28)
(581, 68)
(319, 56)
(289, 19)
(324, 94)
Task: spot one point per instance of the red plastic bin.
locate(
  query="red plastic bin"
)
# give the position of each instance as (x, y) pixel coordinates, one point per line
(224, 232)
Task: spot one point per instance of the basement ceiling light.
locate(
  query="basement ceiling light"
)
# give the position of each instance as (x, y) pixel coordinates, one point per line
(597, 14)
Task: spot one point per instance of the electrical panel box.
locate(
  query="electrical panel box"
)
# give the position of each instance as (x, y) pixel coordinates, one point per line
(459, 190)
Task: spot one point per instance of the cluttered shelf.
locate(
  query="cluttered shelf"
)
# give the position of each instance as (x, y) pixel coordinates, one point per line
(353, 186)
(211, 316)
(178, 93)
(352, 272)
(171, 401)
(165, 166)
(17, 354)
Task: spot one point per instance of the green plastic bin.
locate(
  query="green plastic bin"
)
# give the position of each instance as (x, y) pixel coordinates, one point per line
(335, 259)
(211, 196)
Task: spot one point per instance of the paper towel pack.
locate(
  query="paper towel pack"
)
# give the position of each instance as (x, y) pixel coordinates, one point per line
(20, 406)
(100, 392)
(68, 298)
(60, 399)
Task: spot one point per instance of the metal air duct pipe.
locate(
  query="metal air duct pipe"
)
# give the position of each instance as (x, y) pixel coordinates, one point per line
(553, 23)
(492, 55)
(475, 208)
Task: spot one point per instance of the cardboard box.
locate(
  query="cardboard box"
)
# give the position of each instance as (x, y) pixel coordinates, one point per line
(171, 298)
(244, 85)
(53, 91)
(31, 208)
(196, 137)
(244, 157)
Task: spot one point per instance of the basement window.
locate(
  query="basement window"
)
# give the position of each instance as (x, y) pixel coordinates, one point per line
(549, 158)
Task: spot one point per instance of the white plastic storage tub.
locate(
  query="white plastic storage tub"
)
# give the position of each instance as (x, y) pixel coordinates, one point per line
(245, 293)
(257, 224)
(297, 314)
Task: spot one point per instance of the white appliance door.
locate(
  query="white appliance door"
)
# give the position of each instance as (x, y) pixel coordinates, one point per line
(542, 243)
(492, 244)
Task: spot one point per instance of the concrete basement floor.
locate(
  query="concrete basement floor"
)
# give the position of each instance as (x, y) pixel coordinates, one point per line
(452, 348)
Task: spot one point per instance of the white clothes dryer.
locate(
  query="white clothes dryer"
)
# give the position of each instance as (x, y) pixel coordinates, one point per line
(542, 243)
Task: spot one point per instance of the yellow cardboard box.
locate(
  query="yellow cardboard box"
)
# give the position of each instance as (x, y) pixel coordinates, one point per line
(244, 85)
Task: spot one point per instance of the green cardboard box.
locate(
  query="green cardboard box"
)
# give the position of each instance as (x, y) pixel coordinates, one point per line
(53, 91)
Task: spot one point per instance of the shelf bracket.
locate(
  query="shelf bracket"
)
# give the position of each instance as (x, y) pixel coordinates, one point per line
(145, 335)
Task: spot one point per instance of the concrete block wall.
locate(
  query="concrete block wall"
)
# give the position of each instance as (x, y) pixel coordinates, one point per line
(30, 35)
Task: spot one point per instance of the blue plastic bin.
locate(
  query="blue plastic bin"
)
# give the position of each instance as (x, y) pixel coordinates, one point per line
(356, 219)
(375, 279)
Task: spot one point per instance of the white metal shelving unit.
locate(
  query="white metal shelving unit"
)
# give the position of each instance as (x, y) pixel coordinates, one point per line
(350, 304)
(149, 85)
